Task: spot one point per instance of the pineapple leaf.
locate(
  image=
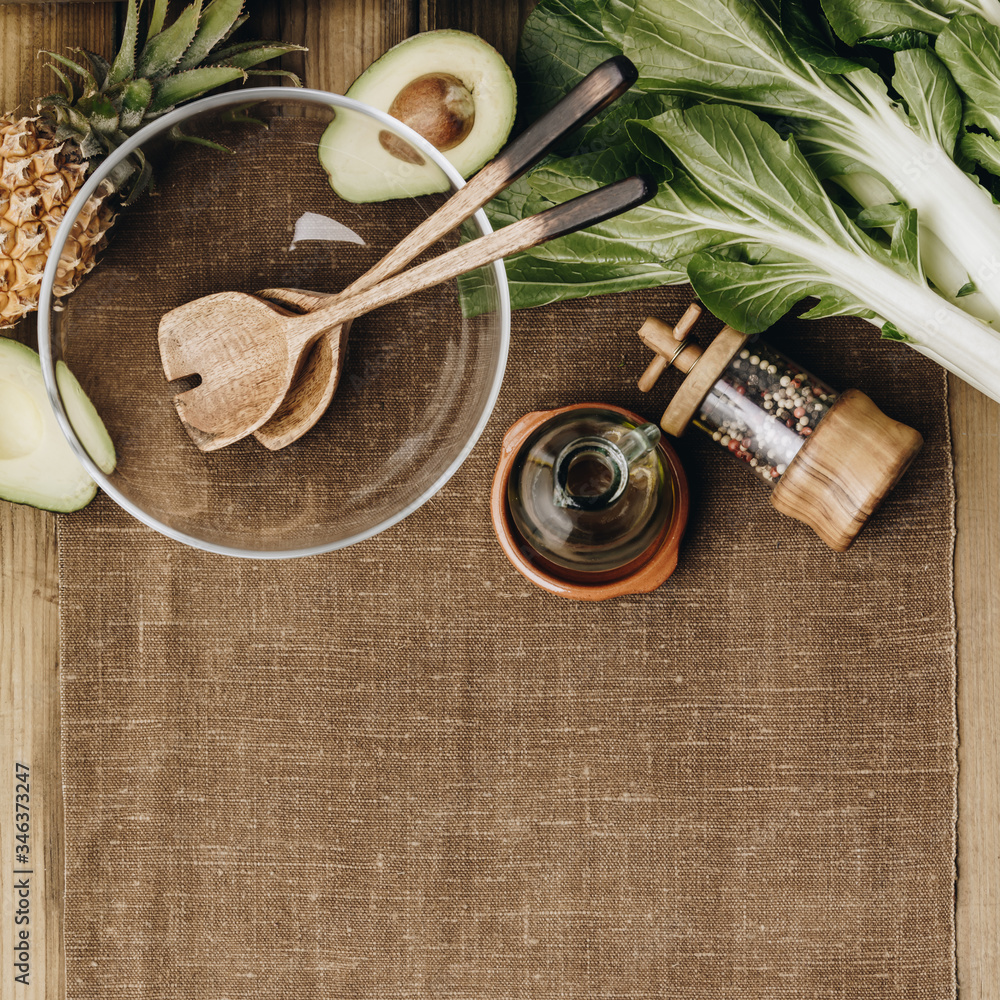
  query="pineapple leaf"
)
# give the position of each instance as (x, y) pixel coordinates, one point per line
(136, 97)
(77, 120)
(216, 21)
(124, 65)
(196, 140)
(91, 145)
(52, 101)
(156, 19)
(66, 131)
(287, 74)
(248, 54)
(190, 83)
(70, 89)
(237, 24)
(122, 172)
(101, 67)
(240, 115)
(163, 52)
(100, 113)
(88, 77)
(141, 182)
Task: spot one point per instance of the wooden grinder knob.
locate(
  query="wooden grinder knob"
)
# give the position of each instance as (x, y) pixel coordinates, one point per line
(669, 345)
(703, 368)
(843, 469)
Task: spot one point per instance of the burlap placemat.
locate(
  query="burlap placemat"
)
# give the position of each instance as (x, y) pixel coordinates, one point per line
(401, 771)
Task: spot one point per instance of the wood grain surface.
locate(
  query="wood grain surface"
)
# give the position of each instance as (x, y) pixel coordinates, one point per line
(343, 37)
(975, 424)
(29, 583)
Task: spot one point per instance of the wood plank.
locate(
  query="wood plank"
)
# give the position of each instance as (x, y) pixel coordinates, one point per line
(26, 29)
(29, 586)
(976, 434)
(29, 711)
(499, 23)
(343, 38)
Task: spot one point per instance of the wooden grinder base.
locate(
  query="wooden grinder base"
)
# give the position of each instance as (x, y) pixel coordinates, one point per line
(845, 469)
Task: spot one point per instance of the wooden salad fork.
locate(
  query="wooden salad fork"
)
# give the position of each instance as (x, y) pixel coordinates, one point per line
(247, 351)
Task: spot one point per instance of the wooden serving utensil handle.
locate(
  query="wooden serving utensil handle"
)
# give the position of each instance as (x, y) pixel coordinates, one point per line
(312, 389)
(599, 88)
(560, 220)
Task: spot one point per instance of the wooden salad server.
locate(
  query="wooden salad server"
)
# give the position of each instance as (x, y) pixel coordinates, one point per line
(247, 351)
(314, 386)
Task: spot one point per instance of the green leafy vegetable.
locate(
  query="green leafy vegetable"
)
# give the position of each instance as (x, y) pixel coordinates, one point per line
(773, 237)
(791, 166)
(970, 48)
(857, 20)
(731, 50)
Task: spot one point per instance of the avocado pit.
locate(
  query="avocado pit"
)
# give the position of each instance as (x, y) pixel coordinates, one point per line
(437, 106)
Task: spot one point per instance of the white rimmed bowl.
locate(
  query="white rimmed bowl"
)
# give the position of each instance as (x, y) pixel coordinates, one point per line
(420, 379)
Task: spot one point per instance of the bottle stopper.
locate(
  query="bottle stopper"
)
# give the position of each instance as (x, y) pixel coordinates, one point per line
(829, 458)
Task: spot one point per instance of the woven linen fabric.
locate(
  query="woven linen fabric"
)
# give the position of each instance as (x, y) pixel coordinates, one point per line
(400, 770)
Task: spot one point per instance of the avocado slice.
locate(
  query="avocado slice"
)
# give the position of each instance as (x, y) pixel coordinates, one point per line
(451, 87)
(37, 465)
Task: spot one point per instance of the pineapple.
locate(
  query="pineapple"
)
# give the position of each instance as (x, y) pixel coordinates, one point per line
(45, 157)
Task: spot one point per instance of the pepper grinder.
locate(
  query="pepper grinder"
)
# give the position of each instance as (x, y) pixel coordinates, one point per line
(830, 458)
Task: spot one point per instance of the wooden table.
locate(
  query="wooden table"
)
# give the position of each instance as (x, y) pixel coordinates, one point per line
(343, 37)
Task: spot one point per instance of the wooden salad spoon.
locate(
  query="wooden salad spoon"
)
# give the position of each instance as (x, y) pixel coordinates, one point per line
(247, 351)
(313, 387)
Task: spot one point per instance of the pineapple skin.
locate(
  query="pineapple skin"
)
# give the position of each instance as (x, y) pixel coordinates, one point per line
(38, 179)
(44, 160)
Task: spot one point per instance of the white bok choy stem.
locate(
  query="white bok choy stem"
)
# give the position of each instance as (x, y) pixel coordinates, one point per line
(950, 204)
(759, 233)
(735, 52)
(934, 327)
(946, 274)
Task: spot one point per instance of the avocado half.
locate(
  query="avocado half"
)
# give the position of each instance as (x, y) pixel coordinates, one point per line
(451, 87)
(37, 465)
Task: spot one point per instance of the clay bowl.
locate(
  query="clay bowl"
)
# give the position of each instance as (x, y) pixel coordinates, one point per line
(642, 574)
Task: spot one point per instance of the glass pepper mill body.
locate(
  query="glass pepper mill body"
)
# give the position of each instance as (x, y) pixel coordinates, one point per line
(829, 458)
(763, 408)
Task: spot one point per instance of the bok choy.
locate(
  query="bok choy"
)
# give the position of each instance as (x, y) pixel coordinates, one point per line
(791, 166)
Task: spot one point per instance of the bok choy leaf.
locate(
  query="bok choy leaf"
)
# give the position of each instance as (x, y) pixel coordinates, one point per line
(785, 240)
(734, 51)
(790, 166)
(861, 20)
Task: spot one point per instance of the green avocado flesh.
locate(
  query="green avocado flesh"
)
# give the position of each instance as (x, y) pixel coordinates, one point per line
(37, 465)
(362, 169)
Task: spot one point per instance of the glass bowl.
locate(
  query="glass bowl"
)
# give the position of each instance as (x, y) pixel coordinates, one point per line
(420, 377)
